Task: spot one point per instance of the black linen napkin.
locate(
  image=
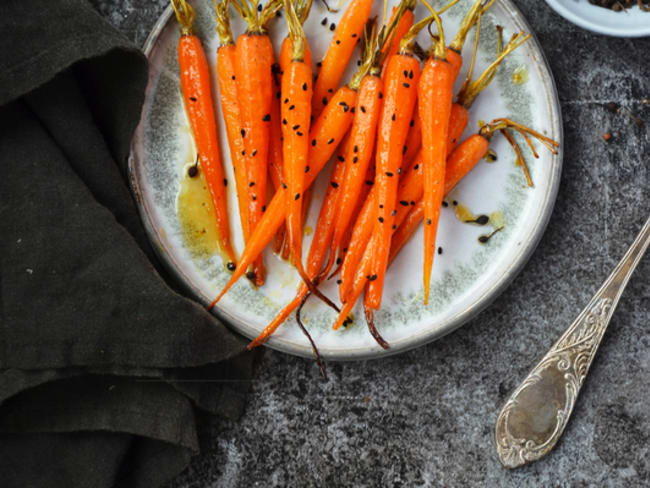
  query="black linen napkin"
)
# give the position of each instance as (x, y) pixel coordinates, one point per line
(102, 363)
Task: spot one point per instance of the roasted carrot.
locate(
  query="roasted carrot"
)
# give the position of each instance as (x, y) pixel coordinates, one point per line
(364, 126)
(317, 251)
(346, 36)
(326, 132)
(405, 231)
(253, 61)
(435, 93)
(400, 92)
(276, 164)
(230, 107)
(195, 87)
(296, 113)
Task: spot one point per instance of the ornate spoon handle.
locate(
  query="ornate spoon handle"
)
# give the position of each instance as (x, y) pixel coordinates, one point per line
(535, 415)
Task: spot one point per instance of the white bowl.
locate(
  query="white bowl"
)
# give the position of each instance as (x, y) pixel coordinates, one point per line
(629, 23)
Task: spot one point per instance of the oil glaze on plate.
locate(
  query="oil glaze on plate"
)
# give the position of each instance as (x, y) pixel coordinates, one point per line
(467, 276)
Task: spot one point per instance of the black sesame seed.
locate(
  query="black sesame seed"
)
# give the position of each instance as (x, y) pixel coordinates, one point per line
(243, 153)
(332, 26)
(334, 184)
(243, 133)
(416, 167)
(352, 110)
(231, 266)
(193, 99)
(259, 7)
(250, 275)
(284, 121)
(454, 203)
(330, 141)
(340, 158)
(370, 182)
(404, 203)
(330, 90)
(393, 117)
(381, 95)
(406, 74)
(324, 21)
(254, 152)
(252, 183)
(338, 41)
(354, 35)
(225, 182)
(406, 85)
(284, 185)
(359, 62)
(373, 277)
(394, 226)
(291, 107)
(254, 197)
(263, 208)
(324, 100)
(428, 221)
(439, 250)
(393, 213)
(338, 261)
(306, 169)
(445, 204)
(404, 149)
(338, 282)
(304, 87)
(381, 219)
(296, 127)
(266, 118)
(389, 174)
(313, 142)
(411, 74)
(319, 64)
(297, 197)
(412, 123)
(412, 202)
(381, 205)
(354, 160)
(363, 109)
(286, 100)
(355, 148)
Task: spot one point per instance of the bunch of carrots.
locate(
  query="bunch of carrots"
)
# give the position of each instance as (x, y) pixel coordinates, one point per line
(393, 129)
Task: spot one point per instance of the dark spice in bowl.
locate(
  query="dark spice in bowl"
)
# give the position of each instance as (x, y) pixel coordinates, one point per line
(620, 5)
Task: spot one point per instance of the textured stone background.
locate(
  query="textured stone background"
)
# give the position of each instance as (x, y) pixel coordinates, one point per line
(426, 417)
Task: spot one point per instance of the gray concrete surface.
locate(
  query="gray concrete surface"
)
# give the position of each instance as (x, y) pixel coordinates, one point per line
(426, 417)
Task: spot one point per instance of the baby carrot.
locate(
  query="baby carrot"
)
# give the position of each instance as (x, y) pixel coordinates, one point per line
(339, 52)
(405, 231)
(230, 108)
(286, 50)
(435, 93)
(195, 86)
(328, 129)
(400, 92)
(404, 24)
(317, 251)
(253, 61)
(296, 113)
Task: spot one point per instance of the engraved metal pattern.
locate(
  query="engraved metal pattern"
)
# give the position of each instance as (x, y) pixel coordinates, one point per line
(567, 362)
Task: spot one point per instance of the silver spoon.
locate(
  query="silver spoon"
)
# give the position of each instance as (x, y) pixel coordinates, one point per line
(535, 415)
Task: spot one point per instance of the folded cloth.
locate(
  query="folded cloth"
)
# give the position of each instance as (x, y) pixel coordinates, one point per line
(104, 366)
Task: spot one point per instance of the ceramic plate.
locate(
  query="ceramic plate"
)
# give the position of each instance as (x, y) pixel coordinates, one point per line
(467, 276)
(630, 23)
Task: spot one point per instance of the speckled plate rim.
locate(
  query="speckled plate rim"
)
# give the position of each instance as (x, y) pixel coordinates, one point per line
(483, 301)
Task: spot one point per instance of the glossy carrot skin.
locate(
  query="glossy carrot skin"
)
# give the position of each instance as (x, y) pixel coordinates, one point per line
(435, 90)
(231, 116)
(457, 124)
(339, 52)
(254, 58)
(296, 113)
(400, 93)
(317, 252)
(197, 95)
(358, 156)
(326, 132)
(405, 231)
(276, 162)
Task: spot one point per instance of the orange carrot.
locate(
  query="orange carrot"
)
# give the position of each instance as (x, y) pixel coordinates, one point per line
(405, 231)
(317, 251)
(326, 132)
(253, 61)
(400, 91)
(195, 86)
(404, 24)
(296, 113)
(338, 54)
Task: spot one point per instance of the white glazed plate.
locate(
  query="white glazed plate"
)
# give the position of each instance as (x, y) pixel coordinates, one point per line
(629, 23)
(466, 277)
